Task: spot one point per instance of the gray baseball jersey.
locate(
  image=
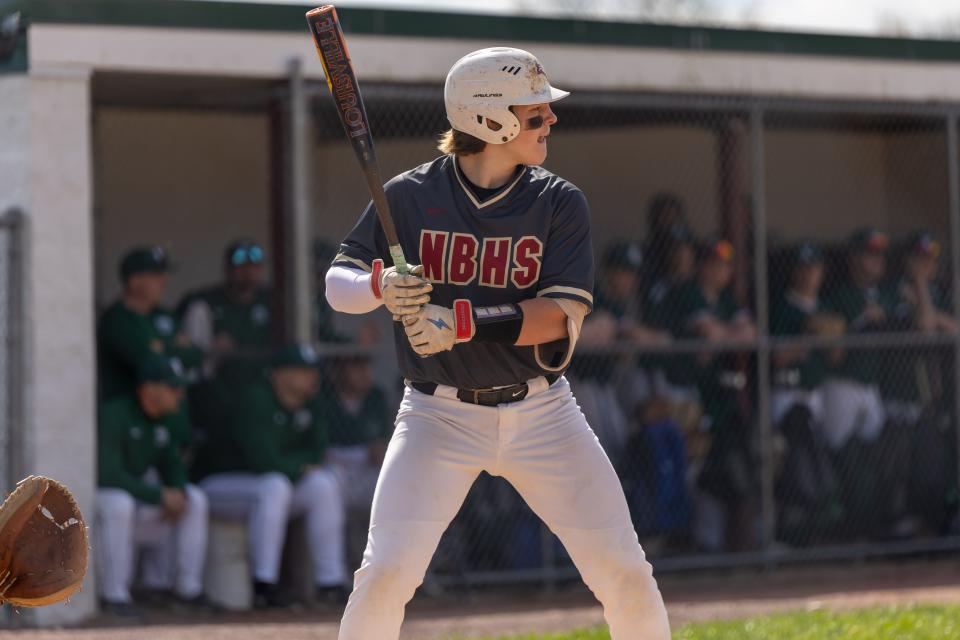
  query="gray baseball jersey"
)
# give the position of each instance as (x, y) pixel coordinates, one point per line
(530, 238)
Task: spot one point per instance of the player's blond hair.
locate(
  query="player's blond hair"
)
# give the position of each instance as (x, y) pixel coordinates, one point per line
(460, 143)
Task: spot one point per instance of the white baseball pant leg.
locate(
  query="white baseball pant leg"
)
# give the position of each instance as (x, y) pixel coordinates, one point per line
(262, 501)
(851, 408)
(123, 524)
(543, 446)
(317, 497)
(782, 400)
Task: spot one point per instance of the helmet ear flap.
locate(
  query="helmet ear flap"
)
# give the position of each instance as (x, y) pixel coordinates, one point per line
(504, 126)
(495, 125)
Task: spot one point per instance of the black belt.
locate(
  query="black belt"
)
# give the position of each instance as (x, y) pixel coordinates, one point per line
(485, 397)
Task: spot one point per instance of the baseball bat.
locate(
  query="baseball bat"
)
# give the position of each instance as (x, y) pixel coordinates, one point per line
(342, 80)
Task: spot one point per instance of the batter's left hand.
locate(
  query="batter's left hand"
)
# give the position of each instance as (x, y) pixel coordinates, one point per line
(432, 329)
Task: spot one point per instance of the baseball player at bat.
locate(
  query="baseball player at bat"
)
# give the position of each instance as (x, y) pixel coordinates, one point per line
(489, 320)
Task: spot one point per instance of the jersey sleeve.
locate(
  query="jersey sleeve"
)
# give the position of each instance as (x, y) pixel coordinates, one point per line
(567, 269)
(170, 466)
(365, 243)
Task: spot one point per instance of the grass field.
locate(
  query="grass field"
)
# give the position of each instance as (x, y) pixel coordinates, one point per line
(886, 623)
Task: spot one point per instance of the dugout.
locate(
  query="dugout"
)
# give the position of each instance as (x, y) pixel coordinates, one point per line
(188, 123)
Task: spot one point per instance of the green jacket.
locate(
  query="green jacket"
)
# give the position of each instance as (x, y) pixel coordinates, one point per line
(129, 444)
(124, 337)
(372, 420)
(262, 436)
(915, 374)
(788, 318)
(686, 304)
(247, 324)
(862, 365)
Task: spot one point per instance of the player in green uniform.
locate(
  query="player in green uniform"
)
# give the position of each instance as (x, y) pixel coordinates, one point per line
(137, 325)
(919, 463)
(809, 502)
(168, 517)
(360, 420)
(268, 466)
(853, 406)
(798, 373)
(704, 308)
(231, 321)
(915, 381)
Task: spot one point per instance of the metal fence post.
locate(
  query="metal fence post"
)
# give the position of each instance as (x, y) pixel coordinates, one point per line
(299, 232)
(953, 176)
(11, 223)
(758, 168)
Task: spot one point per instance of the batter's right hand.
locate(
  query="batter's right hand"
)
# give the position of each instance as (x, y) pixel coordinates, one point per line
(404, 294)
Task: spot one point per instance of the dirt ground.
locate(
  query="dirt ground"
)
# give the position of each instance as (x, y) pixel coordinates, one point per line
(689, 598)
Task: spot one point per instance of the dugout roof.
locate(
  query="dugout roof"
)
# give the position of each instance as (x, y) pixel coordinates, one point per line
(251, 42)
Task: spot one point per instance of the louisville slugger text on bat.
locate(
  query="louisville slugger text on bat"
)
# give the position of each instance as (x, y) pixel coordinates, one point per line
(332, 49)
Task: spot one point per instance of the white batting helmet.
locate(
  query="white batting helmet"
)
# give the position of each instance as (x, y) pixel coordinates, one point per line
(482, 86)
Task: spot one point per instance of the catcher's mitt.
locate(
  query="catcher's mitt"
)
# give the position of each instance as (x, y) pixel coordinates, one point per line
(43, 544)
(826, 324)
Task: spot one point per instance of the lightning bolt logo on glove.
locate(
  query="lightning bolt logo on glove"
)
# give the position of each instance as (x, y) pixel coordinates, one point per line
(434, 328)
(438, 323)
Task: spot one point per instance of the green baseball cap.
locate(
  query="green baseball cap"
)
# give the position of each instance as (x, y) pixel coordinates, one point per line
(144, 260)
(157, 368)
(295, 355)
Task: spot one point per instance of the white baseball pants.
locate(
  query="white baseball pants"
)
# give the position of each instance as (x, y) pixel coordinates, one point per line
(543, 446)
(123, 524)
(267, 501)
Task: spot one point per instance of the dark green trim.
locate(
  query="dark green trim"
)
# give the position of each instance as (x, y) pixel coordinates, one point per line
(17, 63)
(260, 17)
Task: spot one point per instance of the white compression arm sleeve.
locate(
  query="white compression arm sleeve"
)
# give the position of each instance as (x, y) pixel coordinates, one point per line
(349, 290)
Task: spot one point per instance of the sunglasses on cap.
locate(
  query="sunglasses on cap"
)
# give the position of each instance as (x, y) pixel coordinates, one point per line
(246, 254)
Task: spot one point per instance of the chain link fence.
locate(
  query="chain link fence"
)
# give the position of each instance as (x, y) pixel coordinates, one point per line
(771, 364)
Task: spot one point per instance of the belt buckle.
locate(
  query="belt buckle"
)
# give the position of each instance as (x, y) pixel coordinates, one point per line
(476, 396)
